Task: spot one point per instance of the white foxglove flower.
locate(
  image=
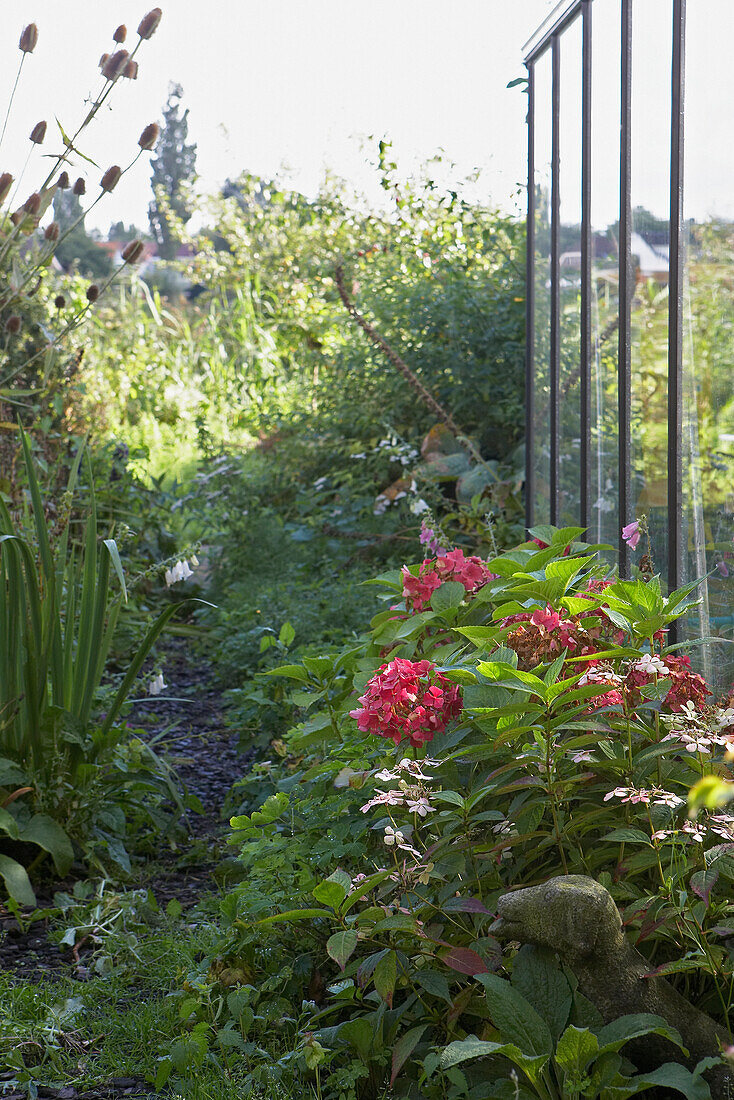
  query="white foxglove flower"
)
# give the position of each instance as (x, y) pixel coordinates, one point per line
(156, 685)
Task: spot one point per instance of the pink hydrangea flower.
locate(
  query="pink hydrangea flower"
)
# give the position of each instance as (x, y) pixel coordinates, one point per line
(472, 572)
(408, 699)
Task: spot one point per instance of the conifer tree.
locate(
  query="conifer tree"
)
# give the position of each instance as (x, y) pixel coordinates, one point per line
(173, 165)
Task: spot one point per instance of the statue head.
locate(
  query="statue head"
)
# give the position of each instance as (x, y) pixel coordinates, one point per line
(571, 914)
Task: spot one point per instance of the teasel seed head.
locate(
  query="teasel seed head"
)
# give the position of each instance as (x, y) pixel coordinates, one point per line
(115, 64)
(13, 323)
(63, 181)
(32, 204)
(18, 217)
(6, 182)
(59, 301)
(28, 38)
(149, 136)
(132, 252)
(120, 34)
(80, 186)
(111, 178)
(92, 292)
(51, 232)
(130, 72)
(149, 23)
(38, 133)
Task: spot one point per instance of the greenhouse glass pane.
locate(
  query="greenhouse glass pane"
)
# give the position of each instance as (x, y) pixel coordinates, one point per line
(651, 66)
(605, 118)
(708, 334)
(541, 359)
(569, 378)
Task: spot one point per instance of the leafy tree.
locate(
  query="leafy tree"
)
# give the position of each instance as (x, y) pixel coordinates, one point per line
(173, 166)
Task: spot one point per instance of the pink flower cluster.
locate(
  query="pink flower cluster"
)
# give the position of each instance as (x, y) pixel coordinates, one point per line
(408, 699)
(686, 686)
(452, 566)
(543, 634)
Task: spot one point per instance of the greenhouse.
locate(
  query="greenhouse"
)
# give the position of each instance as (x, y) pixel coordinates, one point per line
(631, 290)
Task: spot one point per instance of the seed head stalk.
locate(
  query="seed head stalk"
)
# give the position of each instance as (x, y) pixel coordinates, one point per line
(12, 97)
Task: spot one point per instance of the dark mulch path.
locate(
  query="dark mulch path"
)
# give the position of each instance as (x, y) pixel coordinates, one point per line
(204, 753)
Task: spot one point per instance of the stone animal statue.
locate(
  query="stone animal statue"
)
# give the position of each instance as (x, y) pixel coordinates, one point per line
(578, 919)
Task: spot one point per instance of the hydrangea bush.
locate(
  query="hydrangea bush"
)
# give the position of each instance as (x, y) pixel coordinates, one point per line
(566, 735)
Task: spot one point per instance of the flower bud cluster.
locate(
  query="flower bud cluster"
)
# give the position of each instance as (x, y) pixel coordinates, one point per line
(408, 699)
(181, 571)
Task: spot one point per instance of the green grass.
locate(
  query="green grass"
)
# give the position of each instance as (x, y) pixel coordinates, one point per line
(120, 1022)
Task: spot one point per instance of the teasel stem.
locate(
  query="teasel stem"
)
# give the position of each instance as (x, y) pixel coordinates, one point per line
(45, 256)
(72, 324)
(98, 102)
(426, 397)
(12, 97)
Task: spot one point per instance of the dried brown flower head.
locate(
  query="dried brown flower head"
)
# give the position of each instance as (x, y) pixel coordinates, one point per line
(103, 60)
(28, 38)
(80, 186)
(59, 301)
(115, 64)
(6, 182)
(111, 178)
(63, 181)
(32, 204)
(120, 34)
(18, 216)
(38, 133)
(132, 252)
(12, 325)
(149, 23)
(131, 70)
(92, 292)
(51, 232)
(149, 136)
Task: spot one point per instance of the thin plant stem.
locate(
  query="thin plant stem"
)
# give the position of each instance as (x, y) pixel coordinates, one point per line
(12, 97)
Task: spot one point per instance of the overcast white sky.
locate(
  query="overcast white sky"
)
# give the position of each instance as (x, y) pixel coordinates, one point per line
(270, 83)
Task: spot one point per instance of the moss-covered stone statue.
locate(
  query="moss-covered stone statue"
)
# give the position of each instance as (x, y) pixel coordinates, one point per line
(579, 920)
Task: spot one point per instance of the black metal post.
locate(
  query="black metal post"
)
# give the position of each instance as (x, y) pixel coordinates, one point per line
(586, 267)
(626, 285)
(555, 288)
(530, 312)
(675, 304)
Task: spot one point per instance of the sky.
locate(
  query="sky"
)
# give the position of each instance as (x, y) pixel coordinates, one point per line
(274, 85)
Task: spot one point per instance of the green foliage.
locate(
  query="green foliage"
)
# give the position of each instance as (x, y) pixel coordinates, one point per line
(58, 618)
(544, 774)
(173, 168)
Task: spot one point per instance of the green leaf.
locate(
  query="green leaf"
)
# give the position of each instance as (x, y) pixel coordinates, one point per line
(448, 596)
(8, 824)
(48, 834)
(330, 893)
(614, 1035)
(434, 983)
(672, 1076)
(385, 976)
(293, 672)
(16, 881)
(340, 947)
(537, 976)
(629, 836)
(464, 1049)
(515, 1018)
(404, 1047)
(294, 915)
(576, 1048)
(287, 634)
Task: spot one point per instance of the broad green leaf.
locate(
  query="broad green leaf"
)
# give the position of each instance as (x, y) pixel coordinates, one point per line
(448, 596)
(515, 1018)
(48, 834)
(294, 915)
(329, 893)
(629, 836)
(672, 1075)
(287, 634)
(340, 947)
(16, 881)
(614, 1035)
(576, 1048)
(385, 976)
(404, 1047)
(434, 983)
(293, 672)
(535, 973)
(463, 1050)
